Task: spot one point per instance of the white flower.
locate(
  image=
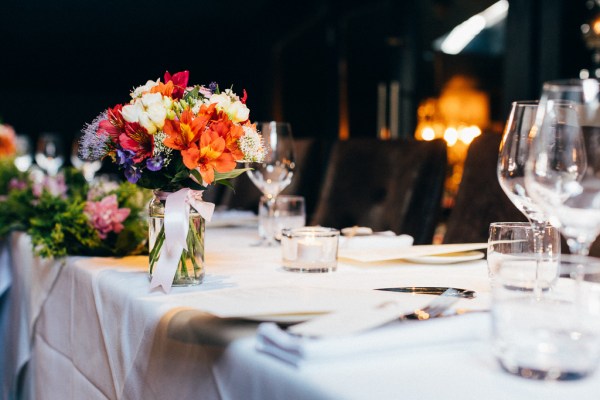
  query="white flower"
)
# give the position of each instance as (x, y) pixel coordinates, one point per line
(222, 100)
(138, 91)
(229, 103)
(150, 111)
(251, 145)
(238, 112)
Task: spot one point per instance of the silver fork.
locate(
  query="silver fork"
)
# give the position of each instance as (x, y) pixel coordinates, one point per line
(436, 308)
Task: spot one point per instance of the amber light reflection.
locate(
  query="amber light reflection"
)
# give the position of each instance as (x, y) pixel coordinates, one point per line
(458, 116)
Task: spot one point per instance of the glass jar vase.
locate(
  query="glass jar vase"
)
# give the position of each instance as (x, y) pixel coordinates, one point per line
(190, 269)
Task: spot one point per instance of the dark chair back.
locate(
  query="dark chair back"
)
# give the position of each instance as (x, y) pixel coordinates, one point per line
(480, 199)
(386, 185)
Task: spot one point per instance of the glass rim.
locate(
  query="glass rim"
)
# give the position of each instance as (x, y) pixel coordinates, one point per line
(512, 223)
(286, 197)
(570, 84)
(307, 231)
(525, 103)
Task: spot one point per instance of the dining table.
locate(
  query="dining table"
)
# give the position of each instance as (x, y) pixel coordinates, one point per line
(91, 328)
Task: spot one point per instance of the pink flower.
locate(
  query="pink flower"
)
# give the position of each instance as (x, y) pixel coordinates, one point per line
(55, 185)
(106, 216)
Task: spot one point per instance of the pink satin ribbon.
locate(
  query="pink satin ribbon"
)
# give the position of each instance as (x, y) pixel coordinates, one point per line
(177, 214)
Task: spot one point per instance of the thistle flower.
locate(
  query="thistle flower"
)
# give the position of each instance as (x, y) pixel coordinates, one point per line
(94, 143)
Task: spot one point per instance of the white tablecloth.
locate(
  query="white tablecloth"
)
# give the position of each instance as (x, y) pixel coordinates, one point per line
(97, 332)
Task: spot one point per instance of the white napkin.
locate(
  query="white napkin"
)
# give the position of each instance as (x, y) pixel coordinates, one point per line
(383, 240)
(298, 350)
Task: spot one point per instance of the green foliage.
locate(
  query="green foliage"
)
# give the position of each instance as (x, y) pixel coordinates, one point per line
(59, 226)
(8, 171)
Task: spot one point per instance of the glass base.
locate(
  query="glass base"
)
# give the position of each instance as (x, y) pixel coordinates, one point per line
(184, 282)
(310, 269)
(545, 375)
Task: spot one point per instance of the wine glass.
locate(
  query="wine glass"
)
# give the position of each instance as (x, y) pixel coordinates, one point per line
(562, 173)
(49, 153)
(514, 150)
(87, 168)
(23, 157)
(277, 169)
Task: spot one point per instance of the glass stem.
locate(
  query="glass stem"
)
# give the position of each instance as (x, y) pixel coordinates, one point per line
(538, 229)
(269, 234)
(578, 247)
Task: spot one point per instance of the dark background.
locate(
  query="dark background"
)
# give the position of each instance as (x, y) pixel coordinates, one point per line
(64, 61)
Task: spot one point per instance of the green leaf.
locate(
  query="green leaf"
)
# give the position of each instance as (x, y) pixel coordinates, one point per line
(231, 174)
(192, 94)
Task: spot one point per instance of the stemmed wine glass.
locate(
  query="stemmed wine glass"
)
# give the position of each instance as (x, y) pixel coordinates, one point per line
(562, 173)
(276, 171)
(49, 153)
(87, 168)
(23, 157)
(514, 150)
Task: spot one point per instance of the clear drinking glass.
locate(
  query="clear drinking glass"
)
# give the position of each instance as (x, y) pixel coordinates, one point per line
(514, 150)
(553, 337)
(23, 157)
(289, 212)
(49, 154)
(562, 173)
(516, 241)
(276, 171)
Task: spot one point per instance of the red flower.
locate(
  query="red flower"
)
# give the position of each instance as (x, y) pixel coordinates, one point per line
(137, 139)
(115, 124)
(180, 81)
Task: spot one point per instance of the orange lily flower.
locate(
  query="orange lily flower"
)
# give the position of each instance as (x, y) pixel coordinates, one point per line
(183, 132)
(209, 157)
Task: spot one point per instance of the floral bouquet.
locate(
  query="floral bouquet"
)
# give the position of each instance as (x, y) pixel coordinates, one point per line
(178, 140)
(8, 149)
(64, 215)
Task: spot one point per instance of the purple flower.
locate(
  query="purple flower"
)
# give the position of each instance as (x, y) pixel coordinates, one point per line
(93, 144)
(125, 157)
(213, 87)
(132, 174)
(155, 163)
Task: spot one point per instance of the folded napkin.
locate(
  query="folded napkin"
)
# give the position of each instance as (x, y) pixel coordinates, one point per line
(382, 240)
(298, 350)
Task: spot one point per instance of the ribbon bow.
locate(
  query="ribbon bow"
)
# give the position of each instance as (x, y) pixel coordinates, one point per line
(177, 225)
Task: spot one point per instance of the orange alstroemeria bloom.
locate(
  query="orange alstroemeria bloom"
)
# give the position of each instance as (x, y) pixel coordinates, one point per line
(211, 156)
(185, 131)
(230, 132)
(166, 89)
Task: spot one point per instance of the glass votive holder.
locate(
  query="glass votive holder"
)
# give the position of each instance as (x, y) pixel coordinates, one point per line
(310, 249)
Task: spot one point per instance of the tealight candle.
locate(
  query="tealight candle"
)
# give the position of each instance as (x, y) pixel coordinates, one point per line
(310, 249)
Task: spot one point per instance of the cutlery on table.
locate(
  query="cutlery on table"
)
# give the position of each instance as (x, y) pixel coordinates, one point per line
(355, 321)
(436, 290)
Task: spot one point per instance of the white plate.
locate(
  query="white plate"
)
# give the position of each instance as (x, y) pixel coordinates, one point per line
(450, 258)
(284, 318)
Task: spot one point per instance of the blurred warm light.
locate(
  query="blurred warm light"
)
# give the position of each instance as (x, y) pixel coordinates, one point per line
(596, 26)
(468, 133)
(458, 116)
(428, 133)
(451, 136)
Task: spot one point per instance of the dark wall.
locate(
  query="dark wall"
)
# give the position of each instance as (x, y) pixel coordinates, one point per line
(62, 62)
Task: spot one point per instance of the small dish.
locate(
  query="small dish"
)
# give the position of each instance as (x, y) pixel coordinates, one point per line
(448, 258)
(291, 318)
